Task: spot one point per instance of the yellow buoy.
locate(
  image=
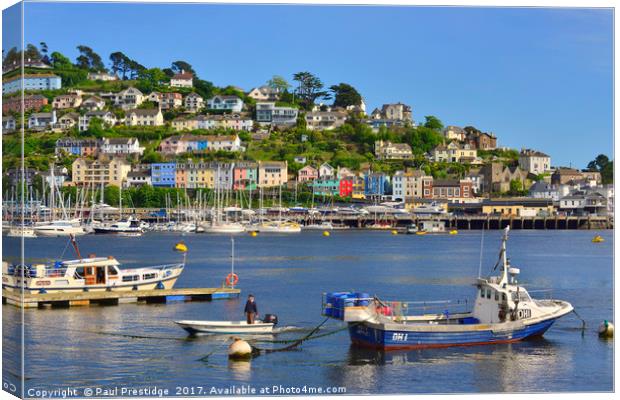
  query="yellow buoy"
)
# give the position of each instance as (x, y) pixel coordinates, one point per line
(239, 350)
(253, 233)
(454, 232)
(182, 247)
(420, 233)
(606, 329)
(325, 233)
(394, 232)
(598, 239)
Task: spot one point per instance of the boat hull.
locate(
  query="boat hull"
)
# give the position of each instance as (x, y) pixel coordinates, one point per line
(377, 337)
(215, 327)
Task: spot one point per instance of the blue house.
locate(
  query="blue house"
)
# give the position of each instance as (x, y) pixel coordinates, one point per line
(376, 184)
(163, 174)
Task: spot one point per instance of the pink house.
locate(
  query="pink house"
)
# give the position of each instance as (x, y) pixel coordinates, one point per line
(307, 174)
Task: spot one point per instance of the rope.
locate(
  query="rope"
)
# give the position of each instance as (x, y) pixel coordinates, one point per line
(127, 335)
(294, 344)
(583, 322)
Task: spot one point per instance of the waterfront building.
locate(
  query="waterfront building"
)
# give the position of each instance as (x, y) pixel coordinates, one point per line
(411, 184)
(376, 184)
(226, 103)
(518, 207)
(272, 173)
(119, 146)
(163, 174)
(326, 186)
(386, 150)
(453, 190)
(193, 102)
(67, 101)
(103, 170)
(184, 123)
(31, 82)
(144, 117)
(345, 188)
(476, 179)
(245, 175)
(137, 178)
(169, 101)
(344, 172)
(359, 190)
(40, 121)
(78, 147)
(454, 152)
(106, 117)
(564, 175)
(182, 79)
(307, 174)
(534, 162)
(32, 102)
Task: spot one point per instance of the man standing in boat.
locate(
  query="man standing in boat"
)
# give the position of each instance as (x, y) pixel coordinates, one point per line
(251, 310)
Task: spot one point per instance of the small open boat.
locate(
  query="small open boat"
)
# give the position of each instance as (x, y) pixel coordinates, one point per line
(226, 327)
(598, 239)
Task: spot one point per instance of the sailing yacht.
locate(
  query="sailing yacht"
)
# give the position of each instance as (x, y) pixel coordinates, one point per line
(126, 227)
(278, 226)
(217, 225)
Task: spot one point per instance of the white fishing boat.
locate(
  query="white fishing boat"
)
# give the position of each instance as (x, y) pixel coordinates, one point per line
(226, 327)
(223, 227)
(60, 228)
(429, 209)
(21, 231)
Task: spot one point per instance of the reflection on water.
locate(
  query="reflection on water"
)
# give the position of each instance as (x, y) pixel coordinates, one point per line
(135, 344)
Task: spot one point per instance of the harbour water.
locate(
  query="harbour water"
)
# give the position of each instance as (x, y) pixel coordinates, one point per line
(138, 346)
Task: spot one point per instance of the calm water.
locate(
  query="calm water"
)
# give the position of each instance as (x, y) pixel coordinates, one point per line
(288, 274)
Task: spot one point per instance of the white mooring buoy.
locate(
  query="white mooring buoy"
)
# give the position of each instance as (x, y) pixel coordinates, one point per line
(239, 350)
(606, 329)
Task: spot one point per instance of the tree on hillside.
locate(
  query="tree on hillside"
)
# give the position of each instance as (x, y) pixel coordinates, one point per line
(32, 53)
(278, 83)
(179, 66)
(59, 61)
(309, 89)
(423, 139)
(117, 60)
(149, 79)
(603, 165)
(433, 122)
(345, 95)
(89, 60)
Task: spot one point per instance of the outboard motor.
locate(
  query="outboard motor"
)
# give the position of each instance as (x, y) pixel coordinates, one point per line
(271, 318)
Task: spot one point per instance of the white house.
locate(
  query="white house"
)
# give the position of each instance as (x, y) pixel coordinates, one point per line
(8, 124)
(93, 103)
(227, 103)
(326, 170)
(264, 93)
(144, 117)
(101, 76)
(183, 79)
(42, 120)
(108, 118)
(118, 146)
(193, 102)
(534, 162)
(269, 113)
(129, 98)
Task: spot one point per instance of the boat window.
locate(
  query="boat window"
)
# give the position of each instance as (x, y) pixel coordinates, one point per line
(488, 293)
(503, 296)
(131, 278)
(149, 276)
(79, 272)
(496, 296)
(112, 270)
(482, 293)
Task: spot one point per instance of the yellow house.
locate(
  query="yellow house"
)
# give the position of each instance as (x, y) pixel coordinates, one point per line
(272, 173)
(106, 171)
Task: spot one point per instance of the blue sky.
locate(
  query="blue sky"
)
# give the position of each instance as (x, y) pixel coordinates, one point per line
(539, 78)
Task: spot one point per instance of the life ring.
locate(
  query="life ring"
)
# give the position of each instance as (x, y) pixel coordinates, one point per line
(232, 279)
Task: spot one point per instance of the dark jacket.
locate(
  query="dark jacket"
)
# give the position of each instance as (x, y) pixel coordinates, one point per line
(250, 307)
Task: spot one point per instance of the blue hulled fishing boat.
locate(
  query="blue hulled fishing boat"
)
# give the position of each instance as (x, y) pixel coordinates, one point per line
(503, 312)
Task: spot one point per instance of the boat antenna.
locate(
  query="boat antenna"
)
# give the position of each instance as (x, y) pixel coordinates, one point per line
(481, 247)
(232, 256)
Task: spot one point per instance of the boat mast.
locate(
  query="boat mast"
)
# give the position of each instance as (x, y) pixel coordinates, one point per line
(504, 258)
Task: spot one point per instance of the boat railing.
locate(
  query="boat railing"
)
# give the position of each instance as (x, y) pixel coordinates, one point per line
(400, 310)
(162, 267)
(547, 294)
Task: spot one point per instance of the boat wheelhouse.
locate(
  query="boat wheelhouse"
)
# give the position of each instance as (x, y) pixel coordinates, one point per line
(503, 312)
